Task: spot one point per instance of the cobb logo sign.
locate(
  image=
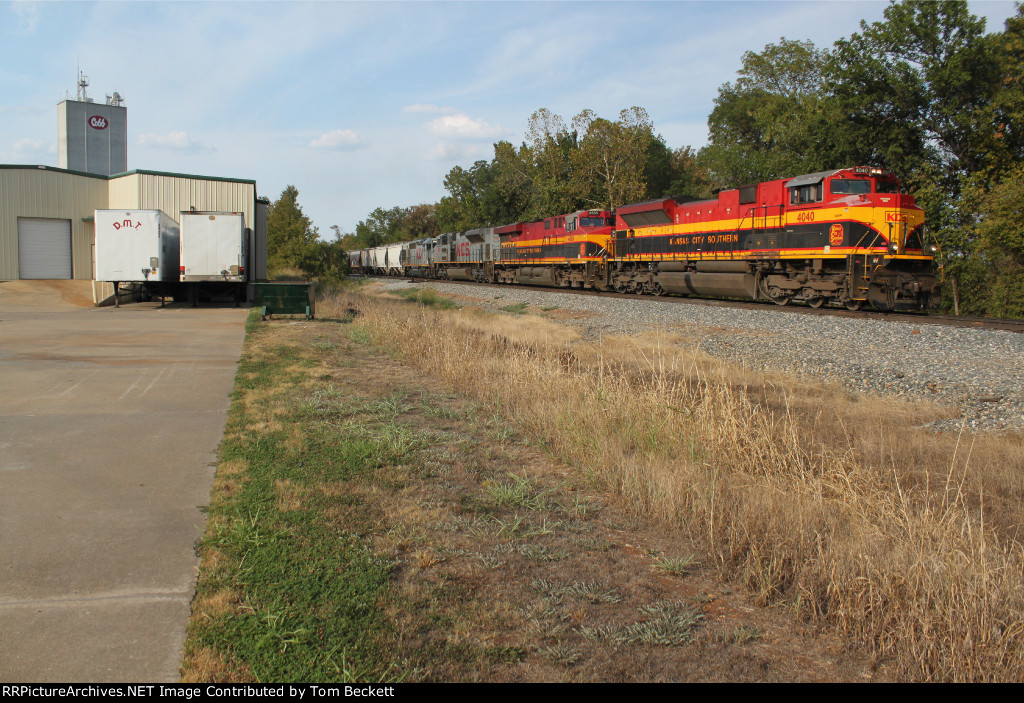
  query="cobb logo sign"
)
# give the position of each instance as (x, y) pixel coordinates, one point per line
(98, 122)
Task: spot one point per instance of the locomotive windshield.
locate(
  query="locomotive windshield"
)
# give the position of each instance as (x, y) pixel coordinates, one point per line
(592, 222)
(887, 186)
(850, 186)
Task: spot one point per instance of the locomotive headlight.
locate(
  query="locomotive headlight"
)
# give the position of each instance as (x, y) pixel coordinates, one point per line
(933, 249)
(895, 247)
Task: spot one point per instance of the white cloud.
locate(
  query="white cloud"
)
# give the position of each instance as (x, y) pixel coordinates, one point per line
(432, 109)
(176, 140)
(27, 16)
(451, 151)
(462, 125)
(31, 146)
(339, 140)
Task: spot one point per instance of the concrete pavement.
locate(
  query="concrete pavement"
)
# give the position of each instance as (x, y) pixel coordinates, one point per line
(109, 424)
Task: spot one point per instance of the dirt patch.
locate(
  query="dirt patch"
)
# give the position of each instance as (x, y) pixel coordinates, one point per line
(561, 315)
(72, 292)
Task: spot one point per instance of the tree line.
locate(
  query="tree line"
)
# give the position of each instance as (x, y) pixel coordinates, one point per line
(925, 93)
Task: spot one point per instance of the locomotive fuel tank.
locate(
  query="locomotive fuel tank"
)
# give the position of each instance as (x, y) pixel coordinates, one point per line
(713, 285)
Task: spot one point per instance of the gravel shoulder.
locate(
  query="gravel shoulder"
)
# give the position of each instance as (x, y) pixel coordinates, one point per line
(978, 372)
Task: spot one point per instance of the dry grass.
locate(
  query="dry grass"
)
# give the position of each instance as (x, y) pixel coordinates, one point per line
(206, 665)
(834, 504)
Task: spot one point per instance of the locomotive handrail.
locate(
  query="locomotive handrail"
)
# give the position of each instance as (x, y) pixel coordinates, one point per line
(752, 214)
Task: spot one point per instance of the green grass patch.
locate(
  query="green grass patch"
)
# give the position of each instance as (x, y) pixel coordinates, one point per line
(306, 590)
(428, 298)
(517, 492)
(517, 309)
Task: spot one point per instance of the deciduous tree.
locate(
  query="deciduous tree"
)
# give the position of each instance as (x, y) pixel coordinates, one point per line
(608, 166)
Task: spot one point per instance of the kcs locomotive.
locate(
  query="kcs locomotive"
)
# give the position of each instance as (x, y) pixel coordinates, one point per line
(849, 237)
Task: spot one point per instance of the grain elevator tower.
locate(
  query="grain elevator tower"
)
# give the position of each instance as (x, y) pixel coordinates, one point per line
(92, 137)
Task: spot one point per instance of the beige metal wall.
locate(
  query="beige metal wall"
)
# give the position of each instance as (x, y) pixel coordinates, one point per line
(35, 192)
(39, 192)
(175, 194)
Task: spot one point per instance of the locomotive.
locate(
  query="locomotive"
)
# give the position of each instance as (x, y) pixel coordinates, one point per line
(847, 237)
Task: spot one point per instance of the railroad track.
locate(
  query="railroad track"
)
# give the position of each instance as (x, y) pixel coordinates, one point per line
(918, 318)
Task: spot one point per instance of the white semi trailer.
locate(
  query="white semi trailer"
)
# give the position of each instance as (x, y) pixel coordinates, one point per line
(213, 247)
(214, 254)
(138, 247)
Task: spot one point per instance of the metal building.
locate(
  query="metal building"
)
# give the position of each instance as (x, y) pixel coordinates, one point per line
(46, 214)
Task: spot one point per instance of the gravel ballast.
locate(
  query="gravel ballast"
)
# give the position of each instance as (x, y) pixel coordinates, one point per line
(979, 371)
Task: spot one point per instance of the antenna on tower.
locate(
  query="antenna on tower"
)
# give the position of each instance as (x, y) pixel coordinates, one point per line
(116, 99)
(83, 83)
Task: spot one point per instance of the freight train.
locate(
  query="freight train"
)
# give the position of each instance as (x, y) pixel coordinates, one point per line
(847, 237)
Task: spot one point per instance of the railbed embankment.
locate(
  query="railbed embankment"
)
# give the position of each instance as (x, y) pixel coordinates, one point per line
(979, 372)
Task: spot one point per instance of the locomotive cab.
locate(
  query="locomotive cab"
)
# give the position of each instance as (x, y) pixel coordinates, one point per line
(863, 215)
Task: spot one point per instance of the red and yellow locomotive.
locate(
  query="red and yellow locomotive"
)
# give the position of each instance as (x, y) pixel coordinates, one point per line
(569, 251)
(848, 236)
(845, 237)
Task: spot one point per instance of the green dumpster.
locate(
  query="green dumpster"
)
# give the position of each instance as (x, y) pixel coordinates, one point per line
(285, 298)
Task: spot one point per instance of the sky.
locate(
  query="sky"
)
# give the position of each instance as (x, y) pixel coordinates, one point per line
(362, 105)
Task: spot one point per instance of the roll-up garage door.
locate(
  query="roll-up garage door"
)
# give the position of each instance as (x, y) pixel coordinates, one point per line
(44, 248)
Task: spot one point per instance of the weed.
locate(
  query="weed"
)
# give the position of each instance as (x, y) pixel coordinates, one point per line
(665, 623)
(679, 566)
(507, 529)
(391, 407)
(592, 592)
(516, 309)
(539, 553)
(504, 434)
(505, 655)
(489, 561)
(518, 492)
(323, 344)
(579, 507)
(561, 653)
(741, 634)
(359, 335)
(547, 589)
(544, 528)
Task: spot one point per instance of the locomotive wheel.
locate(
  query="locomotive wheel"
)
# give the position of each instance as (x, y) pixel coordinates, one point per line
(854, 305)
(782, 299)
(817, 302)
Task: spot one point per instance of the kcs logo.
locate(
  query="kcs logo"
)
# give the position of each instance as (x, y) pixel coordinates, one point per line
(97, 122)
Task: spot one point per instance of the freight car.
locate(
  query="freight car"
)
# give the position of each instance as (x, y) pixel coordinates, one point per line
(847, 237)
